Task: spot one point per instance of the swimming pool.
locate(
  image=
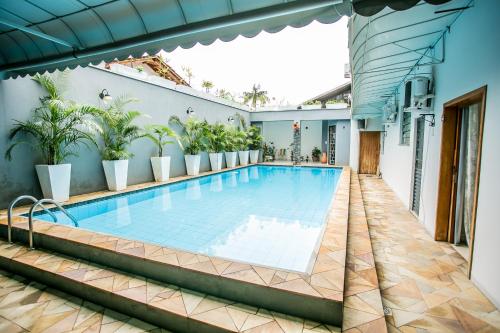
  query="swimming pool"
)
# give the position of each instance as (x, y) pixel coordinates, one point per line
(265, 215)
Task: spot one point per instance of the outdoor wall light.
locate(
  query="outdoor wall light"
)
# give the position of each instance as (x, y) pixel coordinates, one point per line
(190, 111)
(230, 119)
(105, 96)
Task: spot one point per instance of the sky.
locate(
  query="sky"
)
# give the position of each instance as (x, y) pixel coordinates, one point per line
(292, 65)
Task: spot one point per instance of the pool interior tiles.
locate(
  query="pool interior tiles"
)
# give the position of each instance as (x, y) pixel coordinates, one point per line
(325, 283)
(224, 215)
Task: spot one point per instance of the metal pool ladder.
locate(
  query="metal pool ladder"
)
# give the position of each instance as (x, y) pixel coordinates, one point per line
(35, 204)
(13, 204)
(40, 203)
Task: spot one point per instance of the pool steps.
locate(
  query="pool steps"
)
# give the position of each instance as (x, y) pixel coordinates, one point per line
(291, 302)
(165, 305)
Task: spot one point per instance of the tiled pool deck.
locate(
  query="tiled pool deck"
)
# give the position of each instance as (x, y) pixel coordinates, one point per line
(423, 283)
(325, 283)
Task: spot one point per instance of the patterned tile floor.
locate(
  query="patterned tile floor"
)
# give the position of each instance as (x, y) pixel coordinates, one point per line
(363, 311)
(423, 283)
(160, 297)
(27, 306)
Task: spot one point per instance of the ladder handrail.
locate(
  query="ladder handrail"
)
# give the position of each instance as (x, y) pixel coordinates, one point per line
(32, 210)
(11, 206)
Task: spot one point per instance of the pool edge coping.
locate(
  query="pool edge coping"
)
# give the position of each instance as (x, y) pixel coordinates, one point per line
(326, 280)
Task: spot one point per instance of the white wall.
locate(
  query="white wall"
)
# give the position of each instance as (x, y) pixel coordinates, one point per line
(310, 136)
(19, 96)
(472, 61)
(280, 133)
(318, 114)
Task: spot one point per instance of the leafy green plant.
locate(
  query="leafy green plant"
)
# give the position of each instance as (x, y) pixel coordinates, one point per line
(118, 130)
(192, 137)
(159, 135)
(241, 139)
(216, 137)
(230, 142)
(316, 153)
(269, 149)
(58, 125)
(254, 137)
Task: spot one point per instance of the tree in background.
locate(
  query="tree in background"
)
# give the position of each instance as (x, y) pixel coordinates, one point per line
(223, 93)
(207, 85)
(256, 95)
(188, 72)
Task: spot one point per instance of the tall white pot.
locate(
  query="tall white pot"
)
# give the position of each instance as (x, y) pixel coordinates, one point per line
(215, 161)
(254, 156)
(243, 155)
(54, 181)
(230, 159)
(192, 164)
(116, 174)
(161, 168)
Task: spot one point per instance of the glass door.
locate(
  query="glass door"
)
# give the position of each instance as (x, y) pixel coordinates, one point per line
(467, 171)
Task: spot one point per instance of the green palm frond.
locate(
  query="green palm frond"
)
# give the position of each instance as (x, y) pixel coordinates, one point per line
(58, 126)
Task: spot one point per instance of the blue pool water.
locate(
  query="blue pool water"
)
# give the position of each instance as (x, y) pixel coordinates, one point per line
(265, 215)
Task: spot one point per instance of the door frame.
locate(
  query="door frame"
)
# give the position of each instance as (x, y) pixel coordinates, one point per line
(447, 170)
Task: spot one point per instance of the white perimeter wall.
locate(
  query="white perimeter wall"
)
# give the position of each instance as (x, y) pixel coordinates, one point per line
(280, 133)
(472, 60)
(19, 96)
(310, 137)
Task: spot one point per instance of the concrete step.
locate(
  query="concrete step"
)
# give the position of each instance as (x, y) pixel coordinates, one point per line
(164, 305)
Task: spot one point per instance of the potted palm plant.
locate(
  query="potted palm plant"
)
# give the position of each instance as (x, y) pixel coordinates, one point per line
(215, 135)
(192, 142)
(159, 135)
(118, 131)
(58, 126)
(255, 143)
(316, 153)
(230, 146)
(242, 145)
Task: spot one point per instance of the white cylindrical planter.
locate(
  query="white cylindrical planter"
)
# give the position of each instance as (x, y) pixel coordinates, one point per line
(192, 164)
(230, 159)
(116, 174)
(215, 161)
(54, 181)
(161, 168)
(254, 156)
(243, 155)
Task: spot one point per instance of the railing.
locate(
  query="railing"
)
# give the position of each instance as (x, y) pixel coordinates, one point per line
(39, 203)
(11, 206)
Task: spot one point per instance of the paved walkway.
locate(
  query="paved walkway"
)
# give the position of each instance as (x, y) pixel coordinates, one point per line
(423, 283)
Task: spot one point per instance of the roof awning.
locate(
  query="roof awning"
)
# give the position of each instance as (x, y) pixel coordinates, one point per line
(372, 7)
(388, 48)
(36, 36)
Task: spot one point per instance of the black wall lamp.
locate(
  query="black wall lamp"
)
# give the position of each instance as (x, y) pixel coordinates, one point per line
(105, 96)
(230, 119)
(190, 111)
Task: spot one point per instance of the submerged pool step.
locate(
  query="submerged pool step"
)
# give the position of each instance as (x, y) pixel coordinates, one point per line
(165, 305)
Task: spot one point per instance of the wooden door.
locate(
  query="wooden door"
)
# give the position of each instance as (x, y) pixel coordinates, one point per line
(369, 152)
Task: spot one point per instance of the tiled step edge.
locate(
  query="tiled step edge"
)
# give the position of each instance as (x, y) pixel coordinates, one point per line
(152, 301)
(298, 304)
(363, 309)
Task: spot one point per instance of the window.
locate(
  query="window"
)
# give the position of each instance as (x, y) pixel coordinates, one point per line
(407, 95)
(405, 128)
